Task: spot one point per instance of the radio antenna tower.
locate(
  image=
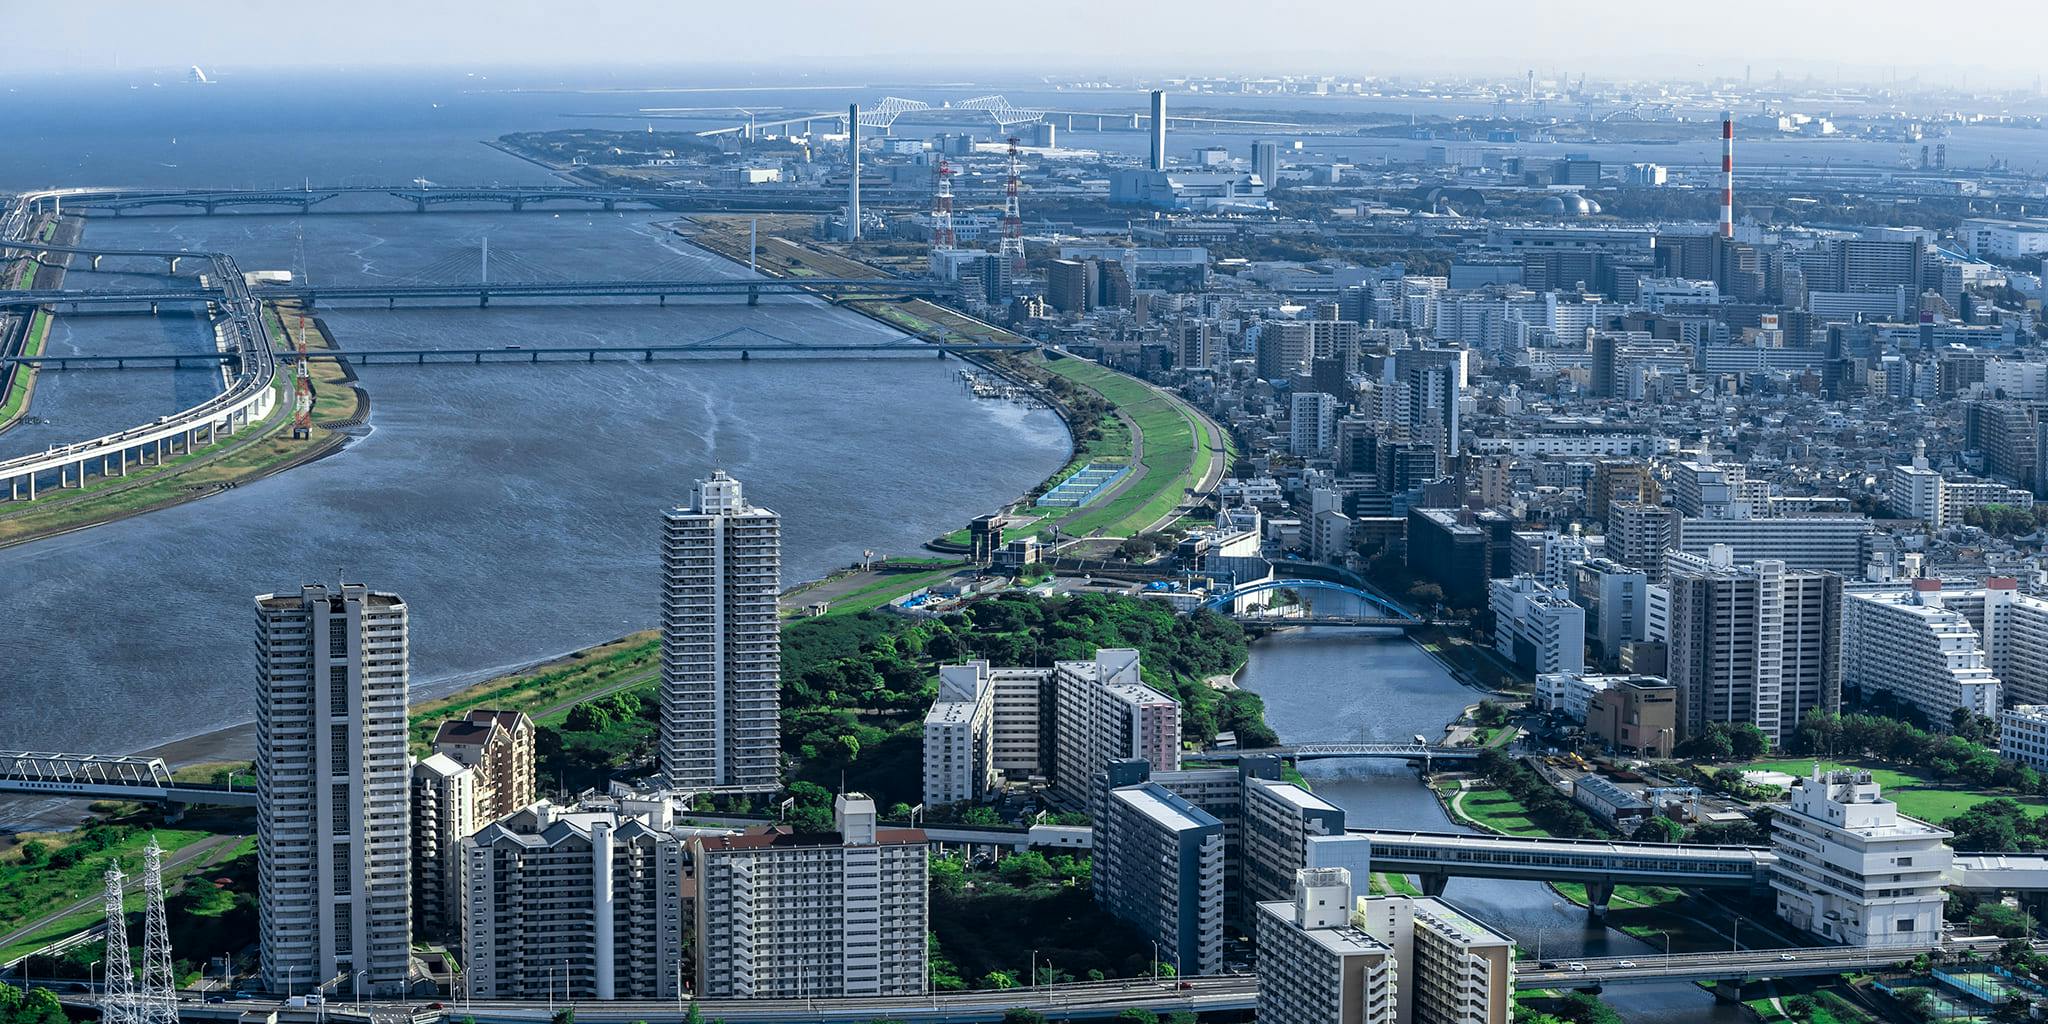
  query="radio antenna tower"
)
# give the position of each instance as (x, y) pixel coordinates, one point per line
(302, 399)
(1013, 221)
(158, 1003)
(942, 217)
(117, 996)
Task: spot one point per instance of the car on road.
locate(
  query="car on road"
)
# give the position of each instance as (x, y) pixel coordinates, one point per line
(1626, 963)
(1575, 966)
(1786, 956)
(216, 999)
(1548, 965)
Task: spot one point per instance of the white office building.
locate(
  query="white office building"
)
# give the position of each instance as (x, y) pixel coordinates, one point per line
(721, 649)
(333, 814)
(788, 916)
(1903, 642)
(1854, 870)
(1914, 491)
(2023, 734)
(1312, 425)
(1537, 626)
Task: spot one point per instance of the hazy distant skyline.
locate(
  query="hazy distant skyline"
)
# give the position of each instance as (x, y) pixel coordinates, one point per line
(1866, 41)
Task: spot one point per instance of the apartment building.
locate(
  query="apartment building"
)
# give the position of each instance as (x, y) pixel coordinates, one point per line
(1453, 969)
(781, 915)
(584, 902)
(1754, 643)
(333, 810)
(1903, 642)
(1160, 868)
(721, 645)
(1638, 534)
(498, 747)
(1061, 724)
(2013, 628)
(443, 815)
(1315, 966)
(1853, 870)
(1286, 829)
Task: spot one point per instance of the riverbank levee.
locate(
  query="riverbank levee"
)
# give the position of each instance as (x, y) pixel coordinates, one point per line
(1116, 419)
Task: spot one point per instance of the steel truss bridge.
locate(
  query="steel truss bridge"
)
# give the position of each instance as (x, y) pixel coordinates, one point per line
(108, 776)
(994, 108)
(1392, 615)
(767, 345)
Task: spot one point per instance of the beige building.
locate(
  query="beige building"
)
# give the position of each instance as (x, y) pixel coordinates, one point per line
(1454, 970)
(786, 916)
(498, 747)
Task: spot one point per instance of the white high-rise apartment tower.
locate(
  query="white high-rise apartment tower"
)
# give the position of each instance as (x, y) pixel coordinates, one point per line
(332, 822)
(721, 645)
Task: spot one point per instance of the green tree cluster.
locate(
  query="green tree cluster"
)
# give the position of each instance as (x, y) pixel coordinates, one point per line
(1949, 758)
(36, 1006)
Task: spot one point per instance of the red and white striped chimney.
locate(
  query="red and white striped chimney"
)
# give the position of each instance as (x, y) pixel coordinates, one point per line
(1727, 174)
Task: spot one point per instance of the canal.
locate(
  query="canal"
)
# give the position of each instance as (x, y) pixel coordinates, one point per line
(1347, 686)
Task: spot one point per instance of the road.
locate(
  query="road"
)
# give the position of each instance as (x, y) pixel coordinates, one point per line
(1748, 964)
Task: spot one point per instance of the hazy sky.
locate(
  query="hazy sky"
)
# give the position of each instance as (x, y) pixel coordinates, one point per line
(1991, 43)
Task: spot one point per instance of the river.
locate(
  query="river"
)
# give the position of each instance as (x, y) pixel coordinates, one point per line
(516, 508)
(1344, 686)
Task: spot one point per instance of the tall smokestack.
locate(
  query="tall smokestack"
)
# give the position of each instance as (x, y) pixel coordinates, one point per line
(853, 180)
(1158, 129)
(1727, 174)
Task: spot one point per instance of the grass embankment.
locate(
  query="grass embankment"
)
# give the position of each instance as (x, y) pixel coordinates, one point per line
(1173, 449)
(547, 691)
(257, 450)
(1917, 794)
(23, 375)
(42, 874)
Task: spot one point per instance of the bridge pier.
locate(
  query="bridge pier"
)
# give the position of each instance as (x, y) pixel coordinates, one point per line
(753, 295)
(483, 299)
(419, 206)
(610, 205)
(1598, 896)
(518, 205)
(1433, 882)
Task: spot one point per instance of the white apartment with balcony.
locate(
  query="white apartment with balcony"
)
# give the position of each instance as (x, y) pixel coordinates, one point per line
(1903, 642)
(333, 815)
(1315, 966)
(721, 643)
(1853, 870)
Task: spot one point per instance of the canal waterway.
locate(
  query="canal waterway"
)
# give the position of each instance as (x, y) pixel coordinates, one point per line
(1346, 686)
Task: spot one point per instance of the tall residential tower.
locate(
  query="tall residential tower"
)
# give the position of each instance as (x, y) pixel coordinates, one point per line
(333, 822)
(721, 650)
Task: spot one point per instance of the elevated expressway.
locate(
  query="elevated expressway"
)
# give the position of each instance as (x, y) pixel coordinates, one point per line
(249, 394)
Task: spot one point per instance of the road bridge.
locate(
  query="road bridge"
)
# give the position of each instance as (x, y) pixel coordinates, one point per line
(1232, 601)
(171, 257)
(482, 292)
(1736, 966)
(1065, 1001)
(423, 199)
(107, 776)
(1436, 857)
(531, 355)
(1424, 752)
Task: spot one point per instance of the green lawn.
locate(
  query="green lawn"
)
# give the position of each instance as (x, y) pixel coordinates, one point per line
(1175, 452)
(1495, 809)
(888, 589)
(17, 396)
(1917, 794)
(28, 892)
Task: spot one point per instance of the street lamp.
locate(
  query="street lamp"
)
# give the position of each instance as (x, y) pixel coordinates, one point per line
(358, 986)
(1031, 973)
(231, 777)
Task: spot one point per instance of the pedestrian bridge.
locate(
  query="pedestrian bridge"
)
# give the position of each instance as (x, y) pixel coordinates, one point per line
(110, 776)
(1436, 857)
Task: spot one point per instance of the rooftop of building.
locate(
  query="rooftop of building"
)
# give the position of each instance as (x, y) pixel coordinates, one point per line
(1458, 923)
(767, 837)
(1346, 940)
(1165, 807)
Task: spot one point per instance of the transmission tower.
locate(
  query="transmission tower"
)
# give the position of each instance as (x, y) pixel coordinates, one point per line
(942, 219)
(302, 399)
(158, 1001)
(1013, 221)
(117, 996)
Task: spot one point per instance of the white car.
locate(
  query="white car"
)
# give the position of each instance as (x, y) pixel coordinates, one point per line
(1786, 956)
(1626, 963)
(1575, 966)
